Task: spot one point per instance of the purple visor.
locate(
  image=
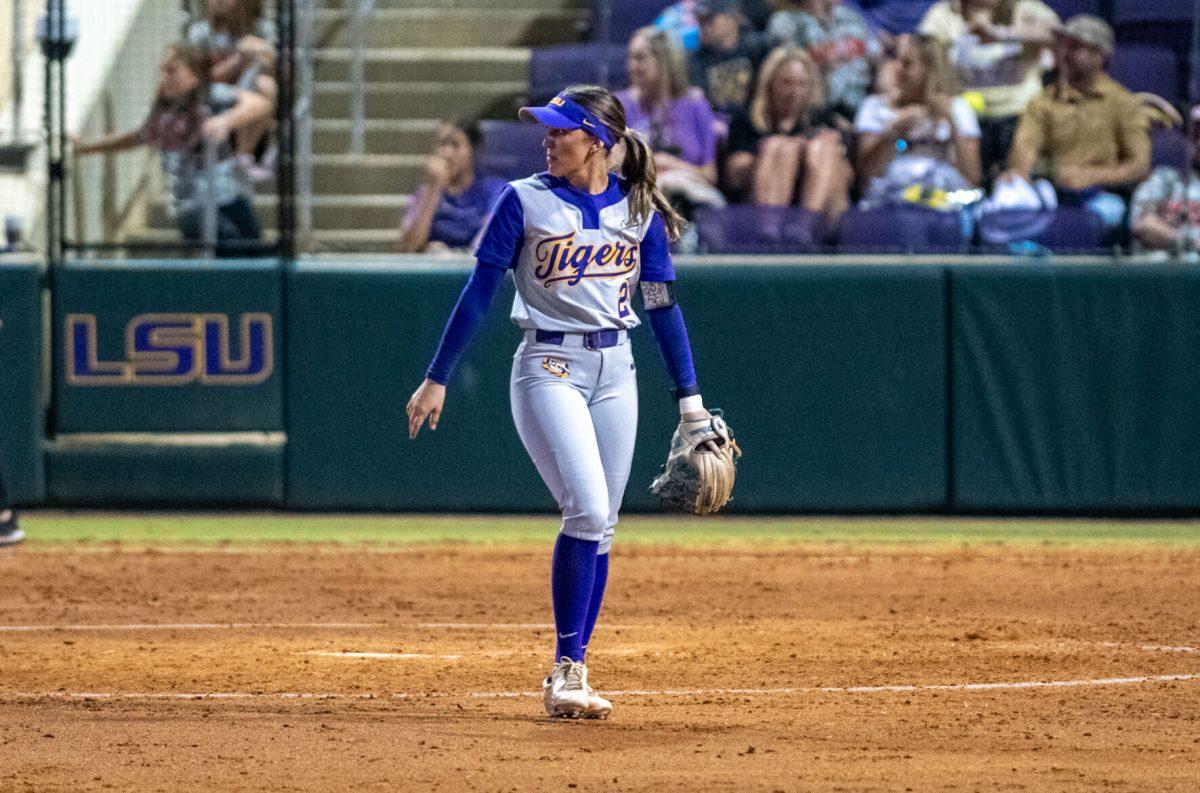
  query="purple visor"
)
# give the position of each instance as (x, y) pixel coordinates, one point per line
(561, 112)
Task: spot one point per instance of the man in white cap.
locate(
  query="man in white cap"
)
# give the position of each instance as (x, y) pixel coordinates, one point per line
(1085, 133)
(1166, 207)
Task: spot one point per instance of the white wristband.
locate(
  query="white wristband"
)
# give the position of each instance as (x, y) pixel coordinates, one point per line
(690, 404)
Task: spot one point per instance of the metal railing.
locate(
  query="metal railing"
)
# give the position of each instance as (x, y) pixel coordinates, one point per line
(305, 11)
(17, 62)
(358, 95)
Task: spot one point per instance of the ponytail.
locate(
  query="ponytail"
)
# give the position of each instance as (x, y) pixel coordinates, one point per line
(644, 196)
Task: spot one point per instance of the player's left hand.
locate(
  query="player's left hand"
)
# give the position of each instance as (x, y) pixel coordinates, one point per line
(702, 415)
(426, 402)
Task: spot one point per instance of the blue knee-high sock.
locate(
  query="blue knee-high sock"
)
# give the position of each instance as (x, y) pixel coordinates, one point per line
(572, 578)
(597, 598)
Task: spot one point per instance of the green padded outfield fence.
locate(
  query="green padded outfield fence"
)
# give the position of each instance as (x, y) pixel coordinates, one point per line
(900, 387)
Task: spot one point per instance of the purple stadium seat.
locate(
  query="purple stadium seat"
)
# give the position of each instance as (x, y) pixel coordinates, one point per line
(510, 149)
(553, 68)
(615, 20)
(896, 16)
(1065, 230)
(1141, 67)
(1168, 147)
(901, 230)
(1136, 11)
(749, 229)
(1069, 8)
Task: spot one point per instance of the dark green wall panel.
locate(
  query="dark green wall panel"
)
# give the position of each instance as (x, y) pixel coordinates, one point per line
(833, 378)
(125, 392)
(360, 338)
(149, 475)
(1075, 388)
(21, 380)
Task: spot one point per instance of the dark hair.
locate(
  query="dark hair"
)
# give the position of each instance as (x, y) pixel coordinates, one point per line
(241, 21)
(176, 123)
(638, 166)
(468, 127)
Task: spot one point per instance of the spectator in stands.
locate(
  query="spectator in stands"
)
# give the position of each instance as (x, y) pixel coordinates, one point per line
(786, 146)
(839, 40)
(723, 66)
(919, 137)
(450, 207)
(684, 19)
(1166, 207)
(188, 120)
(238, 48)
(674, 118)
(997, 50)
(1084, 132)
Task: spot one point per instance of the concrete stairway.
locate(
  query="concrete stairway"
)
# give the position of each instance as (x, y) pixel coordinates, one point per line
(425, 60)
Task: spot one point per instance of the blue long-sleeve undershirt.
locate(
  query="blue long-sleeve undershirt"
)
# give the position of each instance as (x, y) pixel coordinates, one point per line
(465, 320)
(671, 335)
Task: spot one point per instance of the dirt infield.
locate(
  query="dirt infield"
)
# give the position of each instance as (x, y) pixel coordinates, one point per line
(805, 668)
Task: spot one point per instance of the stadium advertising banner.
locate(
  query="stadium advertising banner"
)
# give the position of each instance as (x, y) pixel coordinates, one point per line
(168, 347)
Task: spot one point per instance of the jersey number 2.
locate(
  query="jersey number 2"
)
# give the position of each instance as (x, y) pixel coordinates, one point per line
(623, 300)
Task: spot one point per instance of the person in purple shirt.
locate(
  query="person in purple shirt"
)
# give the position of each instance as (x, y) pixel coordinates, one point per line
(675, 118)
(452, 204)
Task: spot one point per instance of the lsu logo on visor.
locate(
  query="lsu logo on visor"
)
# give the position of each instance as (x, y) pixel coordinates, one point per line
(173, 350)
(557, 367)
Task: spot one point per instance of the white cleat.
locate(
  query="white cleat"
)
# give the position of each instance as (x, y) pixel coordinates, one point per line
(598, 707)
(565, 691)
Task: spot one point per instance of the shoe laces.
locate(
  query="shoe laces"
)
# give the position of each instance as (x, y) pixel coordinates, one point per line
(575, 676)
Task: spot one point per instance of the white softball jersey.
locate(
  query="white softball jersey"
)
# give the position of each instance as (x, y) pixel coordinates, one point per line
(576, 258)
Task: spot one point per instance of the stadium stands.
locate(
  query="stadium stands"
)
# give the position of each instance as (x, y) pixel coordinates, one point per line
(424, 61)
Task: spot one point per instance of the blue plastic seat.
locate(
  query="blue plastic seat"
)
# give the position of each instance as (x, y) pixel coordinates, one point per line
(902, 230)
(553, 68)
(1069, 8)
(1143, 67)
(1067, 230)
(896, 16)
(1168, 147)
(510, 149)
(623, 18)
(1137, 11)
(750, 229)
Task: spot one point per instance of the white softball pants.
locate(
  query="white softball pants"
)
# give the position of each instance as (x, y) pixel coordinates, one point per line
(576, 412)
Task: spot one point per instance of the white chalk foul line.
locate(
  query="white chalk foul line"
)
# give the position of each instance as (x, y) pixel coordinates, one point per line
(212, 626)
(190, 626)
(689, 692)
(333, 654)
(366, 654)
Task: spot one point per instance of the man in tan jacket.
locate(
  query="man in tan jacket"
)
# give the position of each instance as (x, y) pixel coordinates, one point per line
(1085, 132)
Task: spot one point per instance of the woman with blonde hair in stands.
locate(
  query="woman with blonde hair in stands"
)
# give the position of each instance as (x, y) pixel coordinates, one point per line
(786, 147)
(919, 135)
(675, 118)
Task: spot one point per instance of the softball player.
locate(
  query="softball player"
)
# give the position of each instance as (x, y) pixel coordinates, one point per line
(579, 241)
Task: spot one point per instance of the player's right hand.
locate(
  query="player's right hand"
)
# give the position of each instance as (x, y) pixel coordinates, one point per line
(426, 403)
